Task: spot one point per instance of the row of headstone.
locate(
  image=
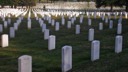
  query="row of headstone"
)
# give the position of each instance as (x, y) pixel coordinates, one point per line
(9, 11)
(25, 61)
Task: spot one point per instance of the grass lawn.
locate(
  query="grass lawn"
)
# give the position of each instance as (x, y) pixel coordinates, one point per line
(31, 42)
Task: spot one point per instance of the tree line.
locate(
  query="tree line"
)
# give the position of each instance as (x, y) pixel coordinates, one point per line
(112, 3)
(15, 3)
(99, 3)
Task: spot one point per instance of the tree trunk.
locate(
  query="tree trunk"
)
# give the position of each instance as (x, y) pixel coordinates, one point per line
(2, 6)
(111, 8)
(22, 6)
(126, 6)
(126, 9)
(11, 6)
(88, 4)
(15, 6)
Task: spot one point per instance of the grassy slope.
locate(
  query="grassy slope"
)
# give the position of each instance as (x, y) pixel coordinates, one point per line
(31, 42)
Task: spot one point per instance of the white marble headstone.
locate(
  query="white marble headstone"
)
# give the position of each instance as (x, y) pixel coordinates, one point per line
(63, 21)
(29, 24)
(1, 28)
(57, 27)
(106, 20)
(91, 34)
(25, 63)
(111, 24)
(4, 40)
(15, 26)
(89, 22)
(53, 22)
(81, 19)
(119, 28)
(126, 15)
(118, 44)
(69, 25)
(77, 29)
(9, 21)
(72, 21)
(66, 58)
(49, 20)
(51, 42)
(100, 26)
(103, 17)
(95, 50)
(5, 24)
(43, 27)
(46, 34)
(12, 32)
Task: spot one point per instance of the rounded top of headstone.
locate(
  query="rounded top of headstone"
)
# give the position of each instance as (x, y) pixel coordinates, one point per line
(91, 29)
(25, 57)
(5, 34)
(52, 35)
(67, 46)
(119, 36)
(95, 41)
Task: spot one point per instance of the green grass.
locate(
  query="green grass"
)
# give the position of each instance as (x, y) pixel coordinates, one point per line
(31, 42)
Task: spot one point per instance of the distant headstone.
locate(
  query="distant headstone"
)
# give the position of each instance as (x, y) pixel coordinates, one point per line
(89, 22)
(63, 21)
(103, 17)
(12, 32)
(3, 18)
(120, 20)
(119, 28)
(46, 34)
(69, 25)
(126, 15)
(95, 15)
(1, 28)
(77, 29)
(25, 63)
(66, 58)
(41, 22)
(53, 22)
(49, 20)
(81, 19)
(51, 42)
(111, 24)
(95, 50)
(4, 40)
(9, 21)
(15, 26)
(29, 24)
(91, 34)
(115, 16)
(118, 44)
(106, 20)
(72, 21)
(5, 24)
(37, 18)
(57, 27)
(100, 26)
(43, 27)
